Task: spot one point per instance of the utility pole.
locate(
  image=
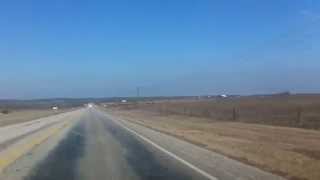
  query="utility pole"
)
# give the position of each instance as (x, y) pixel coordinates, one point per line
(138, 92)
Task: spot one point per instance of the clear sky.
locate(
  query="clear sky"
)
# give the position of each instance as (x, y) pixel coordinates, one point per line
(81, 48)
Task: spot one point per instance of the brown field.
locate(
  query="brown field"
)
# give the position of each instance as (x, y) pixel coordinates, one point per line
(301, 111)
(18, 116)
(254, 133)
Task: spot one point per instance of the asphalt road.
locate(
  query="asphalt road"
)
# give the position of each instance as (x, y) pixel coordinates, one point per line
(97, 146)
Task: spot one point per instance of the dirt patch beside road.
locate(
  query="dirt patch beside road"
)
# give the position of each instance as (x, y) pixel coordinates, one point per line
(290, 152)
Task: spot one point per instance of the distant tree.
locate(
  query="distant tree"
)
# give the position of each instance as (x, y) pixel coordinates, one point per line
(285, 93)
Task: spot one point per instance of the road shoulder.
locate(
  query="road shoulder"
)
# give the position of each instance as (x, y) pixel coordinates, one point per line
(217, 165)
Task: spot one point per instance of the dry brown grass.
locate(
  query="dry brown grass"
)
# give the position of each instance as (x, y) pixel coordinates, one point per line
(291, 152)
(19, 116)
(292, 111)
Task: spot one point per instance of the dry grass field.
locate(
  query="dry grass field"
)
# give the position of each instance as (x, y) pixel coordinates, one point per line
(301, 111)
(18, 116)
(277, 134)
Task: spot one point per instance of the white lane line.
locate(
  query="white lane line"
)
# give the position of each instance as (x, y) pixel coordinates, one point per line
(205, 174)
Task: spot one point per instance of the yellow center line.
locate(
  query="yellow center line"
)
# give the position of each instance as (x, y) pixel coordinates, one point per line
(12, 154)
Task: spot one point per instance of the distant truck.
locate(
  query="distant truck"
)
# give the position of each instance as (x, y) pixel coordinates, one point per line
(55, 108)
(124, 101)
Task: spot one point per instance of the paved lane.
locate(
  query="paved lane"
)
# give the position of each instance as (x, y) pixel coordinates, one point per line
(97, 148)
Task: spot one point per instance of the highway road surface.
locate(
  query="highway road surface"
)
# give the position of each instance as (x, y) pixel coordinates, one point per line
(89, 144)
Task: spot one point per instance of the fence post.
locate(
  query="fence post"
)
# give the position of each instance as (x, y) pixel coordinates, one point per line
(206, 113)
(168, 110)
(234, 114)
(299, 116)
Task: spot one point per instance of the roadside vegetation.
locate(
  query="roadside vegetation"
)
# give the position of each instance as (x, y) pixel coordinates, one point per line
(279, 134)
(302, 111)
(5, 111)
(19, 116)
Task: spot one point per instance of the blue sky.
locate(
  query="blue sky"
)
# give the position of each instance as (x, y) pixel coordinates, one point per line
(81, 48)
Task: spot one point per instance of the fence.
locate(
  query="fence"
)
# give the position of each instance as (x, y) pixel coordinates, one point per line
(282, 114)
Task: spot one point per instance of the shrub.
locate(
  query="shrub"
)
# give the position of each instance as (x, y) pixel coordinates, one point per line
(5, 111)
